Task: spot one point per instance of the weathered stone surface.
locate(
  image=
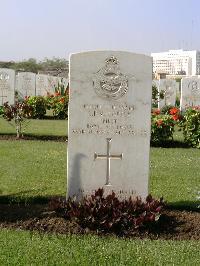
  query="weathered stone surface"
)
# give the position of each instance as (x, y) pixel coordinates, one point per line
(190, 92)
(26, 84)
(7, 86)
(168, 88)
(46, 84)
(109, 123)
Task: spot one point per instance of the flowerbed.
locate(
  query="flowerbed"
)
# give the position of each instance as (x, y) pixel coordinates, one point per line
(56, 102)
(107, 213)
(163, 122)
(191, 126)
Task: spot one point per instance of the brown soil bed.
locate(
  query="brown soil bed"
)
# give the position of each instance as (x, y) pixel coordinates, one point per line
(173, 224)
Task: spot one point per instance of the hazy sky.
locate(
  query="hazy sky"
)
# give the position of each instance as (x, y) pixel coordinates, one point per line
(47, 28)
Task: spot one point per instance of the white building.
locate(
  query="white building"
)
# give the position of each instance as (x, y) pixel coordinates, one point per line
(176, 62)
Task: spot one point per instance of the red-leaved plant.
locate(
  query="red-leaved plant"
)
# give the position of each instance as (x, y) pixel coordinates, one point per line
(18, 113)
(107, 213)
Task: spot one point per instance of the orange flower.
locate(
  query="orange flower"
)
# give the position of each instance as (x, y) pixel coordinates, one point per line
(173, 111)
(176, 117)
(62, 100)
(57, 94)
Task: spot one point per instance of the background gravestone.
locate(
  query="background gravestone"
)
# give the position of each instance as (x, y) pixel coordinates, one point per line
(26, 84)
(60, 82)
(190, 92)
(42, 85)
(169, 88)
(52, 83)
(46, 84)
(109, 123)
(7, 86)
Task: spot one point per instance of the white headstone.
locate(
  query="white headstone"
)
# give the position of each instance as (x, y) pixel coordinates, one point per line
(7, 86)
(26, 84)
(168, 88)
(109, 123)
(52, 83)
(190, 92)
(42, 85)
(46, 84)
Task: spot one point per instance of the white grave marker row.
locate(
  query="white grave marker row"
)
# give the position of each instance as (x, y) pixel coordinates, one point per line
(26, 84)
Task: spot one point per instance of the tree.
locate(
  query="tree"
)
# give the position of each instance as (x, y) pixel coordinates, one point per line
(29, 65)
(54, 63)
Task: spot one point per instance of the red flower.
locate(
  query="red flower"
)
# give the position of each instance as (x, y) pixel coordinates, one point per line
(176, 117)
(57, 94)
(173, 111)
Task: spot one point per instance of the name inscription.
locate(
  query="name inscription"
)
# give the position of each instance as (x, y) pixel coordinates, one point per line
(116, 119)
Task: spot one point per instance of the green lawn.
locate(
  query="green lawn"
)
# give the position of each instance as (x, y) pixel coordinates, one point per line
(33, 170)
(38, 169)
(25, 248)
(175, 174)
(37, 127)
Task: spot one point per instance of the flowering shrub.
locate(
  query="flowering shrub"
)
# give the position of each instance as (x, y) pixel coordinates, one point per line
(173, 111)
(108, 213)
(38, 104)
(162, 127)
(59, 105)
(191, 126)
(18, 113)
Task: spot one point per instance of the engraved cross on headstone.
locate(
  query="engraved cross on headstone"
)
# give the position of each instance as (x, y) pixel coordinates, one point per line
(108, 157)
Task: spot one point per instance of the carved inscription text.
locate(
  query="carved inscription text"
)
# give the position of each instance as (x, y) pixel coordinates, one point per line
(109, 120)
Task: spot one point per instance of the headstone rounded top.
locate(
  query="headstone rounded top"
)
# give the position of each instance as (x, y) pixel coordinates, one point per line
(113, 52)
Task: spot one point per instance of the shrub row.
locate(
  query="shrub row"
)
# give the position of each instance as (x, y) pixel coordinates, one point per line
(190, 125)
(57, 103)
(163, 122)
